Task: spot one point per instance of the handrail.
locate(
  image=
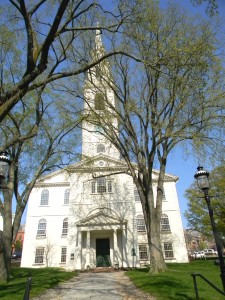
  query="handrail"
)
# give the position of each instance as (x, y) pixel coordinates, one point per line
(194, 275)
(27, 290)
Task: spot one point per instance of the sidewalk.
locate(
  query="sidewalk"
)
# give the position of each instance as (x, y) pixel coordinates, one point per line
(98, 286)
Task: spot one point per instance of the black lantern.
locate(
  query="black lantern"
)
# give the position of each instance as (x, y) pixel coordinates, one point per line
(4, 165)
(202, 178)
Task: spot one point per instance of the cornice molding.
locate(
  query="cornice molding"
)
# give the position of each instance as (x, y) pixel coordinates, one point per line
(52, 184)
(92, 169)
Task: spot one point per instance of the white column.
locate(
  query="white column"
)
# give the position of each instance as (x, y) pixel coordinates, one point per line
(88, 244)
(115, 247)
(123, 247)
(79, 247)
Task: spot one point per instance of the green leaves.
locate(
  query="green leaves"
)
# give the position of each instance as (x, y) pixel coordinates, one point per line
(197, 213)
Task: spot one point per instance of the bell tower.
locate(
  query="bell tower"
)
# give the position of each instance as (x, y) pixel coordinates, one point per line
(99, 97)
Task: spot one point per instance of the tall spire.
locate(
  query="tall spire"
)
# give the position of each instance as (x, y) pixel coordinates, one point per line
(102, 69)
(100, 99)
(99, 48)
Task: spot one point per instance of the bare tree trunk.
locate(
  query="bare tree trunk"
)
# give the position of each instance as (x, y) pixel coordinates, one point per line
(5, 260)
(152, 216)
(6, 237)
(3, 269)
(157, 262)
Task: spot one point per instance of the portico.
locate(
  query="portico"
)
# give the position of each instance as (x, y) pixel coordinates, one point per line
(102, 240)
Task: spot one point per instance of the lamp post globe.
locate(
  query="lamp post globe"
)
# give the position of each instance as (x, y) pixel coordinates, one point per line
(202, 178)
(4, 164)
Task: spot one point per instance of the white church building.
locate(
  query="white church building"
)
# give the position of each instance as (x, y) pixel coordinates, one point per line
(89, 214)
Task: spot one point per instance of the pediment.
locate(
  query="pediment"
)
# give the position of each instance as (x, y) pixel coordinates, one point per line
(103, 216)
(98, 162)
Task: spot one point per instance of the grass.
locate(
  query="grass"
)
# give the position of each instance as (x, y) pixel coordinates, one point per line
(42, 279)
(177, 282)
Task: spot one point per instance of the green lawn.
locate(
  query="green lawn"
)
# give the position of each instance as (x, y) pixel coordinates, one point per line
(42, 279)
(177, 282)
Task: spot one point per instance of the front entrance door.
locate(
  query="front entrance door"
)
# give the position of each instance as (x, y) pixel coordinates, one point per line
(102, 253)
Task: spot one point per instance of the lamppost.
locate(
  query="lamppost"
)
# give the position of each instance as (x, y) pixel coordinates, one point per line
(202, 177)
(4, 166)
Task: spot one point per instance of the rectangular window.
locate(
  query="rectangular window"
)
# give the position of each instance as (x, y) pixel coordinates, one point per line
(164, 195)
(101, 185)
(39, 256)
(168, 250)
(44, 198)
(143, 252)
(66, 196)
(93, 187)
(136, 196)
(141, 225)
(65, 227)
(64, 231)
(63, 254)
(109, 186)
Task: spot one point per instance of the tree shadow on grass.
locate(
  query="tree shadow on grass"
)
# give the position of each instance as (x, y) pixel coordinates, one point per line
(42, 279)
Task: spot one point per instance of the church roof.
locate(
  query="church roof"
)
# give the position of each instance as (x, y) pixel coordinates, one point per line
(98, 163)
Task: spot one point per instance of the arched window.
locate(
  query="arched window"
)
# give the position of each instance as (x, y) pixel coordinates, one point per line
(100, 148)
(141, 224)
(41, 232)
(65, 227)
(99, 101)
(165, 225)
(66, 196)
(44, 197)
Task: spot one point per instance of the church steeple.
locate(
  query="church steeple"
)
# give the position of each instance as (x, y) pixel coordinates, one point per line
(101, 71)
(99, 48)
(98, 97)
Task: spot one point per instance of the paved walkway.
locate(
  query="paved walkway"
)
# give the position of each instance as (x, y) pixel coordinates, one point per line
(98, 286)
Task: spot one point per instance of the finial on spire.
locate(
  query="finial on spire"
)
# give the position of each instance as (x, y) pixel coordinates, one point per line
(98, 31)
(98, 41)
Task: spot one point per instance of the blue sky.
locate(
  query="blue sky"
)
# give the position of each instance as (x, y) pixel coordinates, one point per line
(178, 164)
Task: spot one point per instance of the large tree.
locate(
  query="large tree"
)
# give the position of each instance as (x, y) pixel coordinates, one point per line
(174, 96)
(53, 39)
(42, 42)
(54, 146)
(197, 214)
